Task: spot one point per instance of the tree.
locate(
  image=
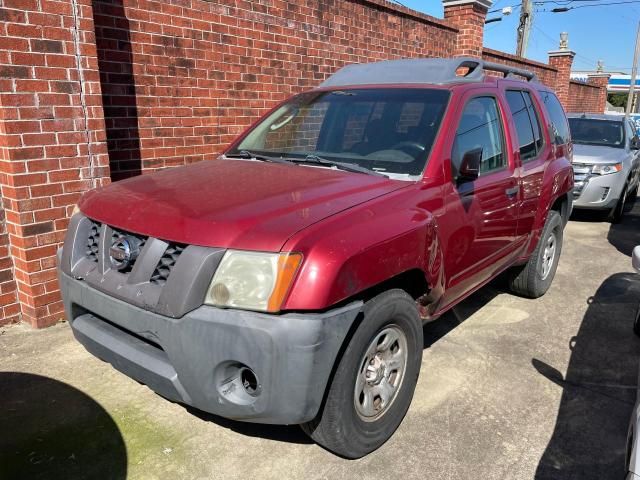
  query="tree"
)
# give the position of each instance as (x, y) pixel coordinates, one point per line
(617, 99)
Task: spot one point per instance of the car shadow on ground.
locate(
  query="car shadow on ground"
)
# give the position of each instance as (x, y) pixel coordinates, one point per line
(434, 331)
(51, 430)
(599, 388)
(278, 433)
(626, 234)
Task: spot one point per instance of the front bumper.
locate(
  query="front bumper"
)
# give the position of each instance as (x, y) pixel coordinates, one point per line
(599, 192)
(193, 359)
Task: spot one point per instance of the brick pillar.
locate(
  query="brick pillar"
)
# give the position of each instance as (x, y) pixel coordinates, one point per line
(600, 80)
(468, 17)
(52, 138)
(562, 59)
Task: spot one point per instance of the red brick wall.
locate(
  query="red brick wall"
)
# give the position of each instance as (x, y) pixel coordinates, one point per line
(52, 138)
(181, 79)
(545, 73)
(584, 98)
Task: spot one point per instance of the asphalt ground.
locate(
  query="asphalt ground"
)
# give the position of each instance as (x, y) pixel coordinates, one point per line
(509, 388)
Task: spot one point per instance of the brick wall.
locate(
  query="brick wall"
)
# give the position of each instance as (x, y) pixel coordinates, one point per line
(545, 73)
(584, 97)
(52, 137)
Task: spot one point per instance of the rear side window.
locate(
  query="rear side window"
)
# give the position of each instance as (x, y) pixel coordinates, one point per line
(559, 125)
(527, 124)
(535, 121)
(480, 127)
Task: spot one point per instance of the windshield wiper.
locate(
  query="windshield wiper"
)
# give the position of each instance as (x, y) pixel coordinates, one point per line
(255, 156)
(348, 167)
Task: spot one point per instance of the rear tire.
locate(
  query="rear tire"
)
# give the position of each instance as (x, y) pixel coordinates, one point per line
(534, 279)
(371, 392)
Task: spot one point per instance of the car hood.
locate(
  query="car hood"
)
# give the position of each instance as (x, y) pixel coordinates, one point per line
(240, 204)
(595, 154)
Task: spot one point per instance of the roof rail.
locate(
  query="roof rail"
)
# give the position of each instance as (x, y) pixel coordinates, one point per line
(438, 71)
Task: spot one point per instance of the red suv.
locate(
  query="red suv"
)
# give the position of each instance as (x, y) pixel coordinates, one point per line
(288, 281)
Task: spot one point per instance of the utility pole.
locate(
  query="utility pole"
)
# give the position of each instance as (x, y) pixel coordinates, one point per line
(634, 73)
(526, 17)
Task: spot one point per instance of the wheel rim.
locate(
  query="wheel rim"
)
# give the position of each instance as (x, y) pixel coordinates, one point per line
(381, 373)
(548, 255)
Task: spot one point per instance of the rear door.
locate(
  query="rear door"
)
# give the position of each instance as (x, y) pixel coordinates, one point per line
(480, 225)
(532, 152)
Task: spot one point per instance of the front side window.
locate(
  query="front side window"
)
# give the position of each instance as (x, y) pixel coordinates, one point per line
(527, 125)
(480, 128)
(592, 131)
(559, 125)
(387, 130)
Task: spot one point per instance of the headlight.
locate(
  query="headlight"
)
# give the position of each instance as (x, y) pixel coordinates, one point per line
(253, 280)
(606, 169)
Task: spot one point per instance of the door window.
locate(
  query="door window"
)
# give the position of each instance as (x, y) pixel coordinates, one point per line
(559, 126)
(527, 124)
(480, 127)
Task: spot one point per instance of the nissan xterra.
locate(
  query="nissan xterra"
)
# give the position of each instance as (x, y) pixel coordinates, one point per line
(287, 282)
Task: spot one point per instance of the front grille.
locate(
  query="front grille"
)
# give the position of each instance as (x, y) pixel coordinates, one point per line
(581, 176)
(165, 265)
(93, 242)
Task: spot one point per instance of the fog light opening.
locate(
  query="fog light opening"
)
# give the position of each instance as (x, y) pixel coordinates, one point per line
(605, 192)
(249, 382)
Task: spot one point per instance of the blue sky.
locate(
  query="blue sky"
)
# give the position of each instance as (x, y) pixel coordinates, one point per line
(595, 33)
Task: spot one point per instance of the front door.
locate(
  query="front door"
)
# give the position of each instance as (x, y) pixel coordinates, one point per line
(481, 222)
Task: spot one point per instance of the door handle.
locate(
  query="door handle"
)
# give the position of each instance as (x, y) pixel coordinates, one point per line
(512, 191)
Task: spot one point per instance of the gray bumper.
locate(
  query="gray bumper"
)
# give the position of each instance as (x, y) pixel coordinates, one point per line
(193, 359)
(600, 192)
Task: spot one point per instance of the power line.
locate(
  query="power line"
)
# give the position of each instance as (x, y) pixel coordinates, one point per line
(566, 9)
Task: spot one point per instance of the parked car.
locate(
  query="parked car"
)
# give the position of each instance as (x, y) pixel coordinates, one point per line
(633, 440)
(605, 162)
(288, 281)
(635, 261)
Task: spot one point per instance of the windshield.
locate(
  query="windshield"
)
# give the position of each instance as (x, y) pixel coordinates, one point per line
(390, 131)
(588, 131)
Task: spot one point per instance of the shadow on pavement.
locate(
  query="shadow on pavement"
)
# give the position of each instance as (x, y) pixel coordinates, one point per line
(434, 331)
(278, 433)
(51, 430)
(626, 234)
(599, 389)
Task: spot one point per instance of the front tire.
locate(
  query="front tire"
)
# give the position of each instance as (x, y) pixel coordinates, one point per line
(618, 211)
(534, 279)
(374, 380)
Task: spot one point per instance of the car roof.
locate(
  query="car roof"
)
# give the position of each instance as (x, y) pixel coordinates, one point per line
(428, 71)
(597, 116)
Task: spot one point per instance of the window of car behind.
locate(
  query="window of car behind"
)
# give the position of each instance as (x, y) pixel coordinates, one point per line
(527, 122)
(480, 127)
(594, 131)
(559, 125)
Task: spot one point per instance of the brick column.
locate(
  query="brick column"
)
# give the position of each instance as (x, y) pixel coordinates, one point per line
(51, 137)
(468, 17)
(562, 59)
(600, 80)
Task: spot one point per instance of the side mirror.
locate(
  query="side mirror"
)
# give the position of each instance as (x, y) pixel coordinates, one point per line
(635, 258)
(470, 166)
(635, 143)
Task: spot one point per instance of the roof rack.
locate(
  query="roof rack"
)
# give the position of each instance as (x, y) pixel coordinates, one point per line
(438, 71)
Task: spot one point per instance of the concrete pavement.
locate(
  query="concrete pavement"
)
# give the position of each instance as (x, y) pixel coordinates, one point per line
(509, 389)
